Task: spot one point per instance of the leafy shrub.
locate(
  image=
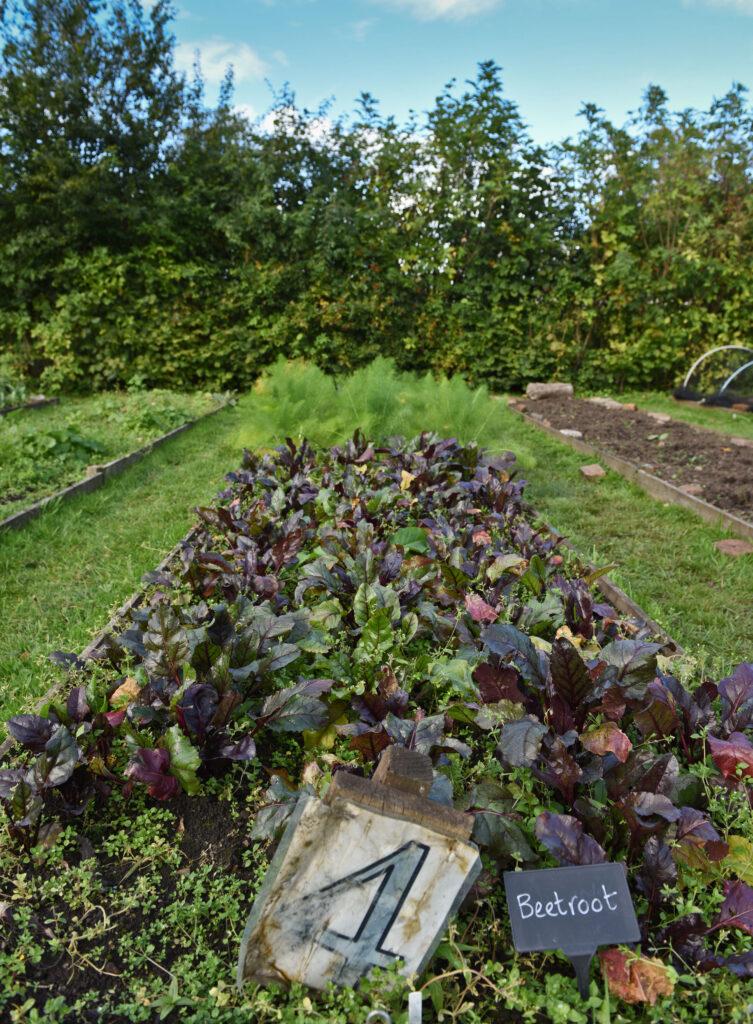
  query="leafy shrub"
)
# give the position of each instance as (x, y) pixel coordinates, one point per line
(188, 246)
(13, 390)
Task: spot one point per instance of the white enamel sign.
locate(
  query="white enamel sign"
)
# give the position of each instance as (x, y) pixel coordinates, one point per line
(349, 889)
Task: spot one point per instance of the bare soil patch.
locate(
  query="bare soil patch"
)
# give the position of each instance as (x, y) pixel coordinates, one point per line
(689, 457)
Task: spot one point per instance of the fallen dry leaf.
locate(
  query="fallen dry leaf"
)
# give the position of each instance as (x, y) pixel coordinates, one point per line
(636, 979)
(125, 694)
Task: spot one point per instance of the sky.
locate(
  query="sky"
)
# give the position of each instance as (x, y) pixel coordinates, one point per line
(555, 54)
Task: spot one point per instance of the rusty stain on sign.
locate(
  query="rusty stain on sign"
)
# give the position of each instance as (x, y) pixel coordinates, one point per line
(356, 884)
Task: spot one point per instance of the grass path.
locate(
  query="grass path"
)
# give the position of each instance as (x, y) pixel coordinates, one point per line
(65, 573)
(665, 555)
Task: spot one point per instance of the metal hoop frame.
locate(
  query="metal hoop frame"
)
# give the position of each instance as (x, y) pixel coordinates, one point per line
(713, 351)
(738, 371)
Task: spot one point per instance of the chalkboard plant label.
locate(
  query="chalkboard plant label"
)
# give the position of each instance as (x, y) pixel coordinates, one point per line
(575, 909)
(366, 877)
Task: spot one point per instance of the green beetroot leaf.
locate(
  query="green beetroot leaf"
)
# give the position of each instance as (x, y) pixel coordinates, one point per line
(297, 708)
(411, 539)
(377, 637)
(57, 762)
(274, 813)
(184, 759)
(521, 741)
(634, 660)
(494, 825)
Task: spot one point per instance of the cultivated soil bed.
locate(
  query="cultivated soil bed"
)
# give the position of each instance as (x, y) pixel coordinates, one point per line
(717, 470)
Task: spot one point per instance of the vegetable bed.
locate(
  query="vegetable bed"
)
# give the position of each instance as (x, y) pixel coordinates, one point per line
(713, 467)
(45, 450)
(333, 604)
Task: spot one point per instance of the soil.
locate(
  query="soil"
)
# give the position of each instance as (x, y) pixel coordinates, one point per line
(682, 454)
(208, 834)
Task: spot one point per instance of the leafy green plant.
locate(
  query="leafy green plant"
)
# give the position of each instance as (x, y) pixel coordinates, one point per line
(334, 603)
(46, 449)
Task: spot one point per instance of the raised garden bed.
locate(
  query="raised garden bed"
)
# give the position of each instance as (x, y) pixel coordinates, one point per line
(98, 474)
(328, 607)
(673, 461)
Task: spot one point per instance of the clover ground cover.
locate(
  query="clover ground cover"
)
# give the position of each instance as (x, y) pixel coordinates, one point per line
(334, 604)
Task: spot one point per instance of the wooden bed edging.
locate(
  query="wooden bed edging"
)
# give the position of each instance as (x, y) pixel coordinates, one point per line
(90, 652)
(653, 485)
(29, 405)
(96, 480)
(623, 602)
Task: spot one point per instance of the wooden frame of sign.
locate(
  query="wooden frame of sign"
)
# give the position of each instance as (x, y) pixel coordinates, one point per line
(368, 876)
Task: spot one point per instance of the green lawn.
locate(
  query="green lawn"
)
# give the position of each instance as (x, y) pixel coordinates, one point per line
(65, 573)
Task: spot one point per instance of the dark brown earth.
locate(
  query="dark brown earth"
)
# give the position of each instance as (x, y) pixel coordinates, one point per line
(675, 451)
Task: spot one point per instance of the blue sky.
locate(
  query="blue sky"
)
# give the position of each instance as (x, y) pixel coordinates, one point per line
(555, 54)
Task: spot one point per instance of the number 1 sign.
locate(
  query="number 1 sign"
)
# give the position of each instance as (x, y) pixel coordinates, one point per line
(369, 876)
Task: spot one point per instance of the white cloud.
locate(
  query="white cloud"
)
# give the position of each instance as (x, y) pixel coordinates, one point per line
(281, 57)
(286, 118)
(454, 10)
(245, 110)
(360, 29)
(214, 56)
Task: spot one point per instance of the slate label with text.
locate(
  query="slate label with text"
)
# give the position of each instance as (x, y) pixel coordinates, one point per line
(575, 909)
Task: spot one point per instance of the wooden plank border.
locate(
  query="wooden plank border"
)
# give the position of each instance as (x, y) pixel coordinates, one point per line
(91, 651)
(96, 480)
(621, 601)
(652, 485)
(29, 405)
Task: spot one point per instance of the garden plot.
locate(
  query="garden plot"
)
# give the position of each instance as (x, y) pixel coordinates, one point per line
(700, 462)
(47, 450)
(330, 607)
